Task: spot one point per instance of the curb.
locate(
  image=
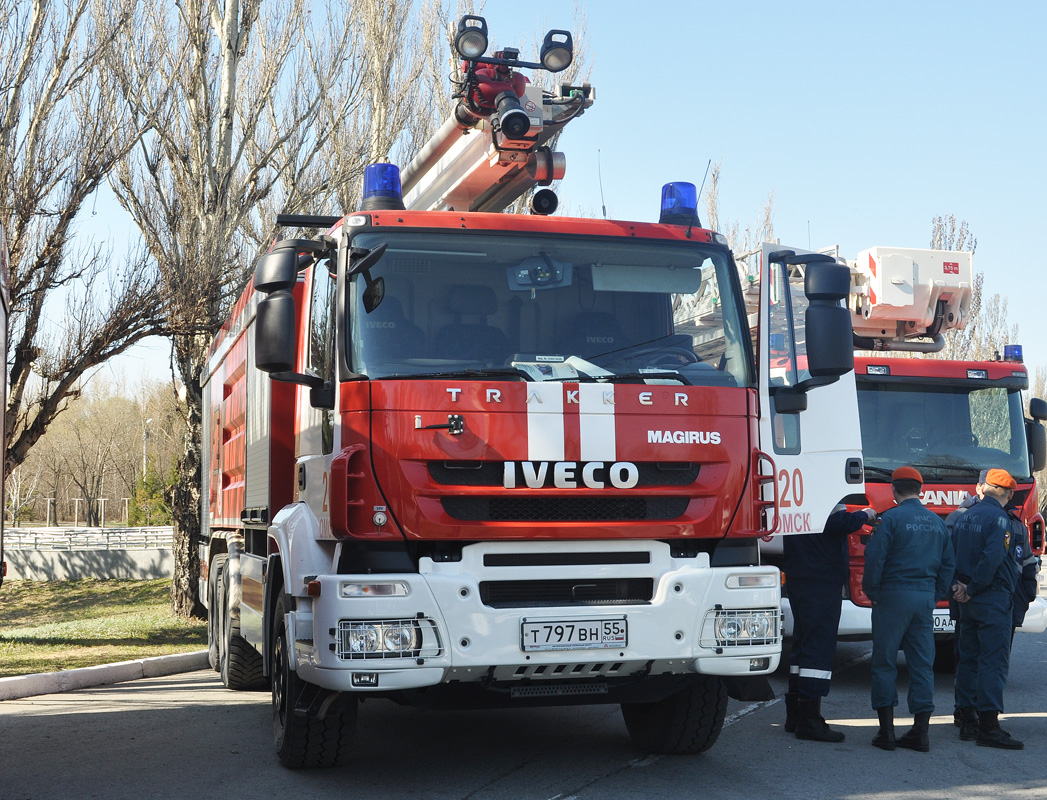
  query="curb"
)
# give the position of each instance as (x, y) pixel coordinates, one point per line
(69, 680)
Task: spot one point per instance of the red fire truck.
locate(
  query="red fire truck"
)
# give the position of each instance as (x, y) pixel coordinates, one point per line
(949, 419)
(463, 458)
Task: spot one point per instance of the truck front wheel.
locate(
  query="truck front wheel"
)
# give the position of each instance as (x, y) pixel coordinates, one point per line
(308, 730)
(688, 721)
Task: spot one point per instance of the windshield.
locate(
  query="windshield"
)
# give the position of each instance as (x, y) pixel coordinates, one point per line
(950, 433)
(547, 308)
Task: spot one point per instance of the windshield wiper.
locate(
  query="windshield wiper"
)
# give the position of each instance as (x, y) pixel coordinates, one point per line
(676, 376)
(494, 372)
(885, 473)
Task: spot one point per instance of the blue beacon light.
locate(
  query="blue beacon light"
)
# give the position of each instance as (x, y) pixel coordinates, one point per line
(1012, 352)
(680, 204)
(382, 188)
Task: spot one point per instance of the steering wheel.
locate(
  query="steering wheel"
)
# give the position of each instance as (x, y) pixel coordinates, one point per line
(959, 437)
(671, 356)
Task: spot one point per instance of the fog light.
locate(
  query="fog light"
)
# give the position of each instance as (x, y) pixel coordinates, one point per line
(757, 664)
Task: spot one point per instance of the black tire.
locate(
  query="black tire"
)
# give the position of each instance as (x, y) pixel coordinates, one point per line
(945, 653)
(215, 611)
(302, 738)
(688, 721)
(240, 664)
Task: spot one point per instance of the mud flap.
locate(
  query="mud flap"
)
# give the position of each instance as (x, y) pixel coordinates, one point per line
(750, 689)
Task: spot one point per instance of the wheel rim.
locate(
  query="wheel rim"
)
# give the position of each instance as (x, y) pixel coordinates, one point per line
(280, 679)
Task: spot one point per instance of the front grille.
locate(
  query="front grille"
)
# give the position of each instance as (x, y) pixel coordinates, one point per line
(564, 509)
(571, 592)
(490, 473)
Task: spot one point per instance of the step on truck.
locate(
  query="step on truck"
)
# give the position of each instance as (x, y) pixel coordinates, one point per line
(461, 458)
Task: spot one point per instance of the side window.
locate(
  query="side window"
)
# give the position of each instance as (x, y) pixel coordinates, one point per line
(787, 352)
(321, 343)
(788, 345)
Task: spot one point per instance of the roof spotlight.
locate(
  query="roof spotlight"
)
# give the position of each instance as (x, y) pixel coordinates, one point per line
(557, 51)
(470, 40)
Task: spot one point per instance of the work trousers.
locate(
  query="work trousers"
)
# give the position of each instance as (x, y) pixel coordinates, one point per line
(815, 607)
(903, 619)
(985, 653)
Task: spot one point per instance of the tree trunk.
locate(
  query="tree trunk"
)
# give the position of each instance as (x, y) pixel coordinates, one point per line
(185, 501)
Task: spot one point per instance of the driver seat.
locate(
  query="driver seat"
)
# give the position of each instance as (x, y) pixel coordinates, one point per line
(594, 333)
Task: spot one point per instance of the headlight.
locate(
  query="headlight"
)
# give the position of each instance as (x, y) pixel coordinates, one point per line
(363, 638)
(741, 627)
(728, 627)
(380, 638)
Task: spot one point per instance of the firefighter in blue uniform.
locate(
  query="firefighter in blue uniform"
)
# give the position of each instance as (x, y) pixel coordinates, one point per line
(816, 570)
(909, 566)
(987, 571)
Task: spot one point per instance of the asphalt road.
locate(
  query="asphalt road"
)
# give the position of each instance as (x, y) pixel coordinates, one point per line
(184, 736)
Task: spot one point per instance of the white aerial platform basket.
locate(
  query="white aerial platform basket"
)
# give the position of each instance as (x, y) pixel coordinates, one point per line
(900, 293)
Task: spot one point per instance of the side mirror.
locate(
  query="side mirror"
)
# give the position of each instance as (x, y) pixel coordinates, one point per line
(827, 324)
(276, 271)
(1037, 444)
(1038, 408)
(274, 332)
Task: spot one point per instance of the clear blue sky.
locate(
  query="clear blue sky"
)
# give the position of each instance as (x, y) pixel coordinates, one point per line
(865, 120)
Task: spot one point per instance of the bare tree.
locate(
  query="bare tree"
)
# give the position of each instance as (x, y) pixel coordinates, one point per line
(22, 490)
(249, 112)
(61, 131)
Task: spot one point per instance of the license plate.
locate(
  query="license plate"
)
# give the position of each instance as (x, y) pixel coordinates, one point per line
(573, 634)
(942, 623)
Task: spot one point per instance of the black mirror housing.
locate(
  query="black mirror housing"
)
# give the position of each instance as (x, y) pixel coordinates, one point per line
(1038, 409)
(276, 271)
(274, 332)
(1037, 445)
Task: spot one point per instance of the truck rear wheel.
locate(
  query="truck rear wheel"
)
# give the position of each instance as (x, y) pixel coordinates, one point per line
(688, 721)
(305, 737)
(240, 665)
(215, 610)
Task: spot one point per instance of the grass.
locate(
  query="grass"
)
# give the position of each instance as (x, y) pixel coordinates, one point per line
(46, 626)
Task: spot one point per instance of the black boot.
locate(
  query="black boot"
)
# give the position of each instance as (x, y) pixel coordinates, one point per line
(990, 734)
(791, 699)
(809, 722)
(967, 719)
(917, 738)
(884, 739)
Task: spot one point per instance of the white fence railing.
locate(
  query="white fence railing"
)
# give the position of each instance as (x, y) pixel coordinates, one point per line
(88, 538)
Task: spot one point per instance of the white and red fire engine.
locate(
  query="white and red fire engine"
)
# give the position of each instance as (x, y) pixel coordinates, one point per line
(949, 419)
(512, 459)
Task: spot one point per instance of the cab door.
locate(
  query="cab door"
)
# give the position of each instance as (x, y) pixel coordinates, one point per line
(808, 401)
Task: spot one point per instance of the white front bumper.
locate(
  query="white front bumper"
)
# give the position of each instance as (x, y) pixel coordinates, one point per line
(670, 634)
